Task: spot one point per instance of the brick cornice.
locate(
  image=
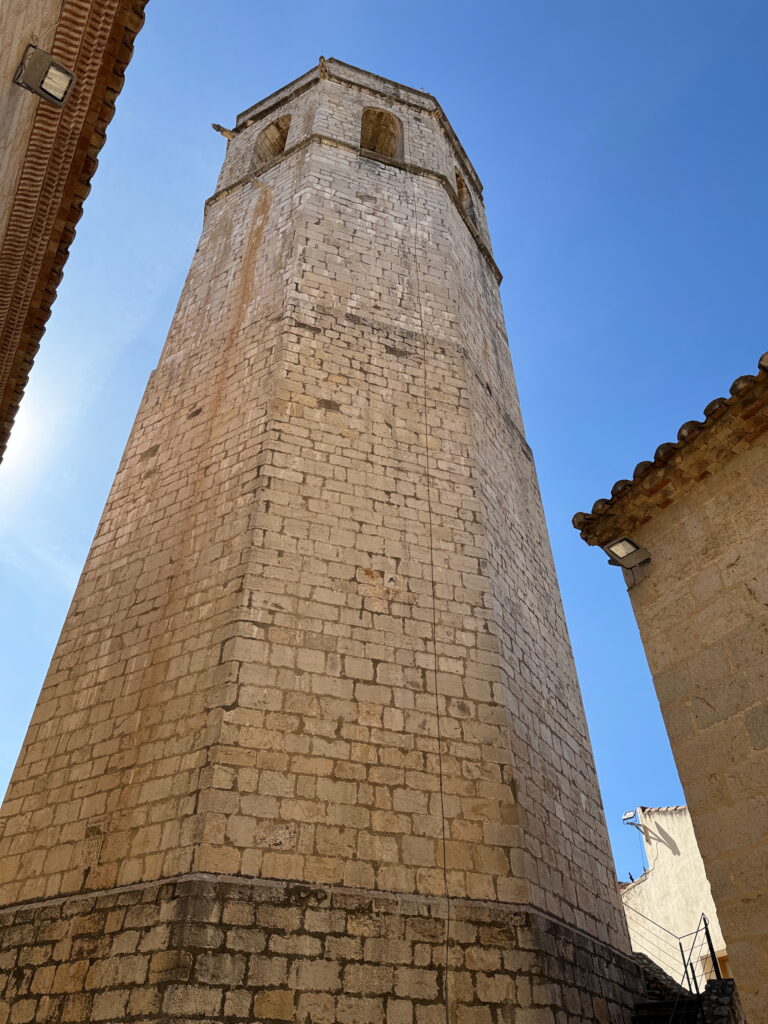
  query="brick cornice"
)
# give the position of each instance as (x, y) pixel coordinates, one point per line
(95, 38)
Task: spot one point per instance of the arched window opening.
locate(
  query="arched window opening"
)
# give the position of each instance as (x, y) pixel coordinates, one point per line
(465, 198)
(271, 141)
(382, 133)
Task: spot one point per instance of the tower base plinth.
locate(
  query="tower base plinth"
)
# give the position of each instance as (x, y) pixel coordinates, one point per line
(202, 947)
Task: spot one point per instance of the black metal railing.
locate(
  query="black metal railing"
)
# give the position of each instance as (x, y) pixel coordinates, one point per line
(699, 958)
(689, 959)
(656, 942)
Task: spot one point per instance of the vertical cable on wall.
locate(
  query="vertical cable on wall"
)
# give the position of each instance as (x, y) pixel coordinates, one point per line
(430, 517)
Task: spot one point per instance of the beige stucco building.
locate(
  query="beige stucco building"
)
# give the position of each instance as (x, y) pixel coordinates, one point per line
(665, 904)
(700, 509)
(48, 155)
(311, 746)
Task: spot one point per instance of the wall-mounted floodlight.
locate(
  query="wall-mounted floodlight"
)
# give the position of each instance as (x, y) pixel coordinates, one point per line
(44, 75)
(626, 553)
(629, 818)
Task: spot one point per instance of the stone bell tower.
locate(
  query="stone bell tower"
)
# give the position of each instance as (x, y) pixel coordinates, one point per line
(311, 746)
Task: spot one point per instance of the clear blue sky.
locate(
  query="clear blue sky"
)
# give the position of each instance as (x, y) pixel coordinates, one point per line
(623, 150)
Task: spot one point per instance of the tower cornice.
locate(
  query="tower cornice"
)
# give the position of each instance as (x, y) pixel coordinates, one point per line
(328, 140)
(334, 70)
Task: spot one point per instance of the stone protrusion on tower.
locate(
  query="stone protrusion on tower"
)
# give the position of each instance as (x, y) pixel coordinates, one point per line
(311, 746)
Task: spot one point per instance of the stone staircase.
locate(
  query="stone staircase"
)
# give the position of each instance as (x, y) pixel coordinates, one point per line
(670, 1003)
(668, 1011)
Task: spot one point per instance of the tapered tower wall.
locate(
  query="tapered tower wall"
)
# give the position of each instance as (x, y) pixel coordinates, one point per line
(317, 649)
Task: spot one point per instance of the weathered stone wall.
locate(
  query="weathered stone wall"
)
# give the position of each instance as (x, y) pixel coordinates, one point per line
(218, 949)
(701, 606)
(318, 636)
(721, 1003)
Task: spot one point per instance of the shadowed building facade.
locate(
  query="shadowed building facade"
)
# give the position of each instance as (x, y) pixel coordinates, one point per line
(312, 746)
(700, 511)
(48, 157)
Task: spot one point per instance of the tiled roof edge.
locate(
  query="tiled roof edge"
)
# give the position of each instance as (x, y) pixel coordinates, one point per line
(671, 807)
(31, 277)
(589, 523)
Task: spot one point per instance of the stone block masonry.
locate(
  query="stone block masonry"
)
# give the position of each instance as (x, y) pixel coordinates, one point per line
(216, 949)
(318, 644)
(702, 607)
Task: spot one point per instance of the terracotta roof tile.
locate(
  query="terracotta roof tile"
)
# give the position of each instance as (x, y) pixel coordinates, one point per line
(749, 398)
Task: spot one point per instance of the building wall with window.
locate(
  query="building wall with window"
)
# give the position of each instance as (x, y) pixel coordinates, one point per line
(47, 158)
(427, 141)
(700, 508)
(666, 902)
